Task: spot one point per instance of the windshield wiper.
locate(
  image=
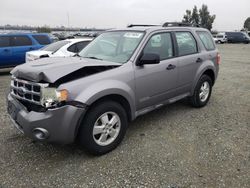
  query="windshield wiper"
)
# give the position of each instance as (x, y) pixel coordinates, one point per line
(77, 55)
(92, 57)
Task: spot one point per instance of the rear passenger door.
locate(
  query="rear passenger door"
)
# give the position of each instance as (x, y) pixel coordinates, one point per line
(20, 45)
(189, 60)
(157, 82)
(5, 51)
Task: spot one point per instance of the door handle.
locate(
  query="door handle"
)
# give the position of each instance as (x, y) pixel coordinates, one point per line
(199, 60)
(6, 50)
(31, 48)
(170, 67)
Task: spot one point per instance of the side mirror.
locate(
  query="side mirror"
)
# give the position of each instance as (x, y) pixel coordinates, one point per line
(148, 58)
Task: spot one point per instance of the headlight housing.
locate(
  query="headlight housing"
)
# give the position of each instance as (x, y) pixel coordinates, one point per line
(52, 96)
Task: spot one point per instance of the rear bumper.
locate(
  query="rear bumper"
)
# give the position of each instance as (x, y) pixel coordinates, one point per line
(60, 123)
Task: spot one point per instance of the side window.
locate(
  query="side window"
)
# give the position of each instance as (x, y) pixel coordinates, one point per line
(81, 45)
(160, 44)
(21, 41)
(42, 39)
(4, 41)
(186, 43)
(72, 48)
(207, 39)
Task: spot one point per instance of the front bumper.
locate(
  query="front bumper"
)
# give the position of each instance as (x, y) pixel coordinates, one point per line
(60, 123)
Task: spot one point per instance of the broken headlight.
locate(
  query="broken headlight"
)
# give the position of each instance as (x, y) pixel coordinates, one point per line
(52, 96)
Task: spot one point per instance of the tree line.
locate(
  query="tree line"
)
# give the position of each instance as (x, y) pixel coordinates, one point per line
(203, 18)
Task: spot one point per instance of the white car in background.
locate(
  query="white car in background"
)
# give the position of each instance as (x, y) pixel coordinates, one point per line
(64, 48)
(215, 39)
(220, 38)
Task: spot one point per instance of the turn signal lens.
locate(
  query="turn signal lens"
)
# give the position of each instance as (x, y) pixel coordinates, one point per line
(62, 95)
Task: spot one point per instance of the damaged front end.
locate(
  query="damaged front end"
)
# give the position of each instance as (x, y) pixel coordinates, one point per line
(40, 107)
(35, 84)
(36, 96)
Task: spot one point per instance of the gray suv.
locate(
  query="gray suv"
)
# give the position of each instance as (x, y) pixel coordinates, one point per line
(119, 76)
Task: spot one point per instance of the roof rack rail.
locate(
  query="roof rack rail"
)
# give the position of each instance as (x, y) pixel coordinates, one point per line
(179, 24)
(141, 25)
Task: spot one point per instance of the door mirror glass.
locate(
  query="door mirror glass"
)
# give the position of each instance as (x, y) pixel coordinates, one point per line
(149, 58)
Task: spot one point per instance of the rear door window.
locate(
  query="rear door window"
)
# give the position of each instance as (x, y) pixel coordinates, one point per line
(206, 40)
(21, 41)
(186, 43)
(4, 41)
(42, 39)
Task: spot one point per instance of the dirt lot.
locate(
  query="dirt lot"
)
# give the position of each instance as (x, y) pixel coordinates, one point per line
(176, 146)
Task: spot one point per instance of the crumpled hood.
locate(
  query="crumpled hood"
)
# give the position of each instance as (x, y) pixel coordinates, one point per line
(51, 69)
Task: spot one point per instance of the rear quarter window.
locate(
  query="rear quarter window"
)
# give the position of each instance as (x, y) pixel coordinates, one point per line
(42, 39)
(206, 39)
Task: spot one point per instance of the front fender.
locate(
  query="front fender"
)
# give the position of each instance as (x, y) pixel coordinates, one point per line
(101, 89)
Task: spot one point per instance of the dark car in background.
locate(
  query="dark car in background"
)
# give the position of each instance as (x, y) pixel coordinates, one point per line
(237, 37)
(13, 47)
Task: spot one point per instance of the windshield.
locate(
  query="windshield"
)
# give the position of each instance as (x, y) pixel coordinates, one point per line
(55, 46)
(116, 46)
(246, 35)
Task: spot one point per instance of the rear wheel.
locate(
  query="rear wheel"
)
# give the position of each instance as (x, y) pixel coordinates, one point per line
(202, 92)
(103, 128)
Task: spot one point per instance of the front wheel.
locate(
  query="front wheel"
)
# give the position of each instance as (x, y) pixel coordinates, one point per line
(103, 128)
(202, 92)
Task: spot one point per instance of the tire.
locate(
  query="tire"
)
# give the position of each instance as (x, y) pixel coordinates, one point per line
(199, 99)
(97, 133)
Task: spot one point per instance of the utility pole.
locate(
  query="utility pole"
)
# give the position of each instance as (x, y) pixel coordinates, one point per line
(68, 19)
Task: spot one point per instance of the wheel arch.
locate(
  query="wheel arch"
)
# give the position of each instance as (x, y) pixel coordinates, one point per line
(120, 99)
(209, 71)
(116, 98)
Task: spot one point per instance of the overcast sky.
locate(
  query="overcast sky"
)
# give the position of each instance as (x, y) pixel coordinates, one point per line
(230, 14)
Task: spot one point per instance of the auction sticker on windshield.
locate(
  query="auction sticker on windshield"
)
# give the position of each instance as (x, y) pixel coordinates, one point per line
(133, 35)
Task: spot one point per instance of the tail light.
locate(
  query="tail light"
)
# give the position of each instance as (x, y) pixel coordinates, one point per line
(218, 59)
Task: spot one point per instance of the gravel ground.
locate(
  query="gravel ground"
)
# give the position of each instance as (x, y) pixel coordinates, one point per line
(177, 146)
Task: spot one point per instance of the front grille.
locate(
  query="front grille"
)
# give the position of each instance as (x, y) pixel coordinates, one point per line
(26, 90)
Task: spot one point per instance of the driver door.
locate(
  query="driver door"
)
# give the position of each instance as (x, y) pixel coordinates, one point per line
(157, 82)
